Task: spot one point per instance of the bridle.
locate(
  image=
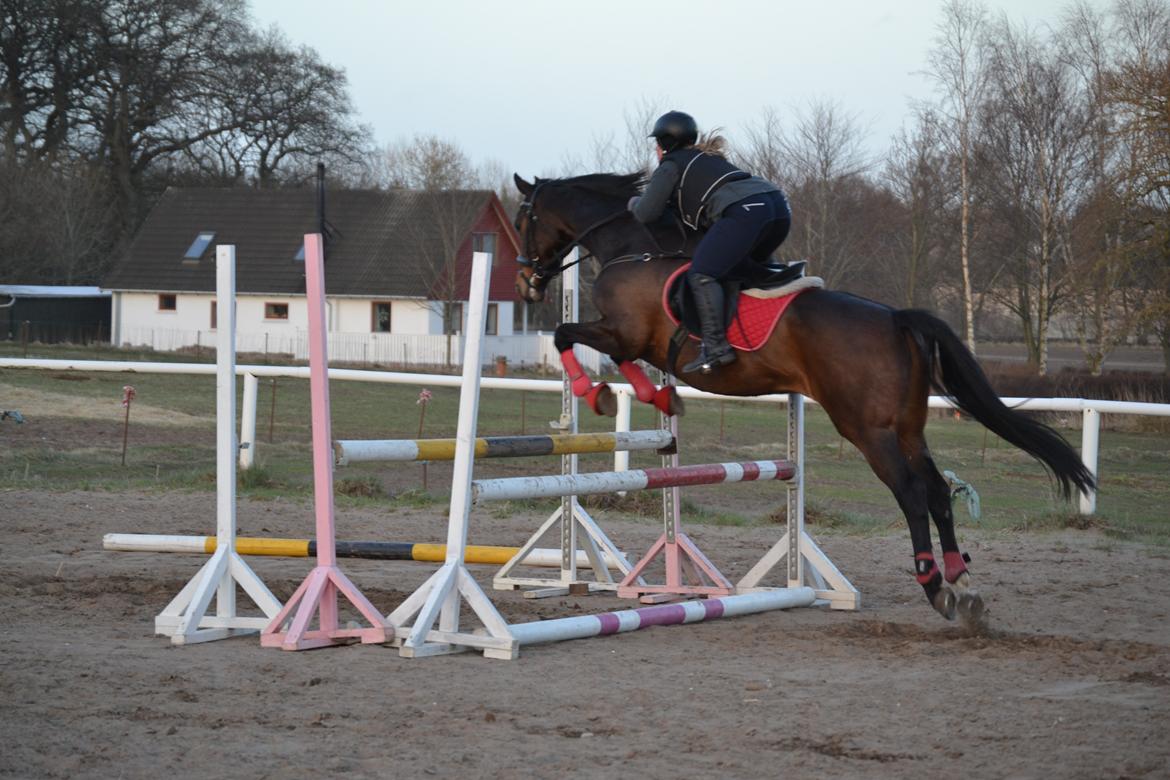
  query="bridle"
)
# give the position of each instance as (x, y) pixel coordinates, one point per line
(541, 275)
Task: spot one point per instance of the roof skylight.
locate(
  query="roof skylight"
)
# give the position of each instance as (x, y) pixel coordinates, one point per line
(199, 246)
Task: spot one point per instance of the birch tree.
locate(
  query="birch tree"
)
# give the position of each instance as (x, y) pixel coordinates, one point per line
(958, 68)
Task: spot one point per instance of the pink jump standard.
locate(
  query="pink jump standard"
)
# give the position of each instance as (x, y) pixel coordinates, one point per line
(681, 557)
(290, 629)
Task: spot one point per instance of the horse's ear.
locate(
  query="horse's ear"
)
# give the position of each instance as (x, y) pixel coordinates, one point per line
(524, 187)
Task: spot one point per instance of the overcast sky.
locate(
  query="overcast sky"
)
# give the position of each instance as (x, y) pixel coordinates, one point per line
(527, 82)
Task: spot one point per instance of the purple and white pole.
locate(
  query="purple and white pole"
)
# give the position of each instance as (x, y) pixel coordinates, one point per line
(662, 615)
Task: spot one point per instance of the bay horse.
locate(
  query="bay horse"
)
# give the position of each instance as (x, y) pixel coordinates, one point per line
(870, 367)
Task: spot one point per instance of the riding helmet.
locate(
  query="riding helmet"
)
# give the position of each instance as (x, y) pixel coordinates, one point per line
(674, 129)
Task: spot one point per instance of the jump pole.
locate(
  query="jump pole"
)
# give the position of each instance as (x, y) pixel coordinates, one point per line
(185, 619)
(346, 452)
(578, 530)
(584, 626)
(307, 548)
(636, 479)
(440, 597)
(317, 595)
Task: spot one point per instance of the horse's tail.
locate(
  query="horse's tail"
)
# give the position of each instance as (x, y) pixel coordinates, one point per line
(955, 373)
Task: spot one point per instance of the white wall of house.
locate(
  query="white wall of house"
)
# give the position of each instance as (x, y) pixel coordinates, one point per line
(416, 335)
(503, 318)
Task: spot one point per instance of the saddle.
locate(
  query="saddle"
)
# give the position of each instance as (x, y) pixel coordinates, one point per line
(754, 303)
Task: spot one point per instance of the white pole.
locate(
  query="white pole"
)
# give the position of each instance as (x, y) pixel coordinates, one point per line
(621, 460)
(248, 422)
(225, 418)
(468, 411)
(1090, 446)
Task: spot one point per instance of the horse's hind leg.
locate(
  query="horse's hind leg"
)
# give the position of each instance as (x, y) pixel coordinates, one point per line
(970, 603)
(893, 467)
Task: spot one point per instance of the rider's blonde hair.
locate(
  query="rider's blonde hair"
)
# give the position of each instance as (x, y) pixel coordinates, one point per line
(712, 142)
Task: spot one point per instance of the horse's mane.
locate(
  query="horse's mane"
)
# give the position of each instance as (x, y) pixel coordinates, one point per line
(613, 185)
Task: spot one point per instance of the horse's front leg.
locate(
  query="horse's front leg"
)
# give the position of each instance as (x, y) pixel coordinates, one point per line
(592, 334)
(608, 341)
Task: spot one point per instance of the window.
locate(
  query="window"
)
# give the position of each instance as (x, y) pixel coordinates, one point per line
(452, 318)
(519, 317)
(492, 325)
(381, 317)
(214, 316)
(199, 246)
(276, 311)
(167, 302)
(485, 242)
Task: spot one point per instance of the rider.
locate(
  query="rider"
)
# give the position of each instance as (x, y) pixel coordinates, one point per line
(746, 218)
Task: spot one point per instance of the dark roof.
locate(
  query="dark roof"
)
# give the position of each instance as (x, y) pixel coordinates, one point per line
(384, 243)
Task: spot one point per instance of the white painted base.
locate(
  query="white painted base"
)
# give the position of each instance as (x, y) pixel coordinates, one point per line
(185, 619)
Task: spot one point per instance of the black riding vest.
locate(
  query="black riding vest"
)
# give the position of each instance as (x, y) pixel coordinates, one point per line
(702, 174)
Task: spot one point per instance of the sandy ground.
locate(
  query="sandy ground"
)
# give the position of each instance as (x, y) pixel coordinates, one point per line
(1071, 679)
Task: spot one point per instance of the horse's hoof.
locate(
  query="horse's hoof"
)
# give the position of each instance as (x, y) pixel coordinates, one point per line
(944, 603)
(602, 400)
(669, 402)
(970, 607)
(962, 583)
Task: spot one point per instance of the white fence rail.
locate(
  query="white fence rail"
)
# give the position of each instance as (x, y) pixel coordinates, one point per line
(1089, 410)
(395, 349)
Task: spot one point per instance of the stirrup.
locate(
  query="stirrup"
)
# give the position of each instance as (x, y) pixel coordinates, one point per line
(705, 364)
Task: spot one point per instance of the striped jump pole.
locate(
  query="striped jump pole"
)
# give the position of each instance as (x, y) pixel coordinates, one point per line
(606, 623)
(641, 479)
(356, 451)
(307, 548)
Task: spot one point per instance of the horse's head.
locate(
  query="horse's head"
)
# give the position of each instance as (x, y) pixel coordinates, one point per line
(558, 215)
(543, 234)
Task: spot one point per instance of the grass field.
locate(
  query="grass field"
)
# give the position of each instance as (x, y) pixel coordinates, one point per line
(73, 440)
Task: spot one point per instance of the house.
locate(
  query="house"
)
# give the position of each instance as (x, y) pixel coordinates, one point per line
(53, 314)
(397, 269)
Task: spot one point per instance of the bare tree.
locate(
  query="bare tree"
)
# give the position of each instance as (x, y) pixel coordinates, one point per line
(437, 178)
(763, 152)
(958, 67)
(286, 110)
(158, 86)
(916, 173)
(1101, 267)
(1037, 124)
(1139, 92)
(823, 152)
(55, 222)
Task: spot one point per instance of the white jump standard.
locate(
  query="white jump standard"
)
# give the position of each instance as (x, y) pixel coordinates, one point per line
(185, 619)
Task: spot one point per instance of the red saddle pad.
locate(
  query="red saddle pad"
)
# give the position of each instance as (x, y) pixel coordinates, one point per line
(754, 321)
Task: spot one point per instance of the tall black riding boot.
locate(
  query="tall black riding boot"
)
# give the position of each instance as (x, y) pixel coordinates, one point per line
(714, 351)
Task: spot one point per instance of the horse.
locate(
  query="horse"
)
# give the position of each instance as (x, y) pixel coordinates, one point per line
(871, 367)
